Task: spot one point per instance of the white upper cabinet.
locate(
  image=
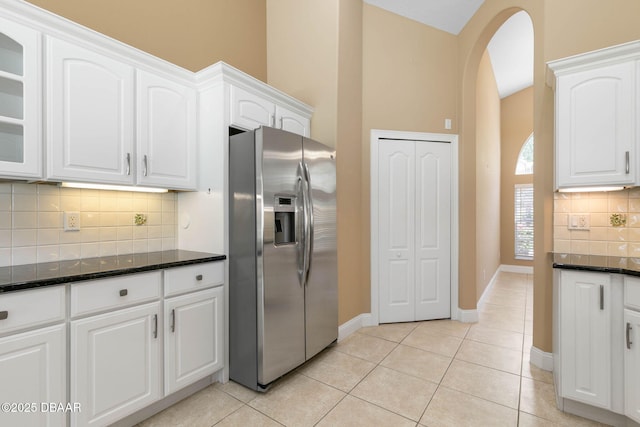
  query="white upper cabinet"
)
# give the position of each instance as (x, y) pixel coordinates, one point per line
(597, 136)
(251, 110)
(20, 101)
(90, 115)
(292, 122)
(166, 133)
(595, 125)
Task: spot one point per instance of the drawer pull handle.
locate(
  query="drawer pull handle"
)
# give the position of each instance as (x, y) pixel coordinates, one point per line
(123, 292)
(199, 277)
(4, 315)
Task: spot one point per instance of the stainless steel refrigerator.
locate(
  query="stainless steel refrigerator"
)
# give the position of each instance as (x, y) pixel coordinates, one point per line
(283, 294)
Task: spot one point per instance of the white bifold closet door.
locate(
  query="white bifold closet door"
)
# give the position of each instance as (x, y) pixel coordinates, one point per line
(414, 212)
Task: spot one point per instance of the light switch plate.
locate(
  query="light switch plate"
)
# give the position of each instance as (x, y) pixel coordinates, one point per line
(579, 221)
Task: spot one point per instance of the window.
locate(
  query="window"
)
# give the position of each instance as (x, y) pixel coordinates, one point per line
(525, 158)
(524, 221)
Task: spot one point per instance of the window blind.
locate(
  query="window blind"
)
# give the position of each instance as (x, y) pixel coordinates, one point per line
(524, 221)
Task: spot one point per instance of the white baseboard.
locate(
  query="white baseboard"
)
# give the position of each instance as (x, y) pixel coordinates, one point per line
(489, 286)
(541, 359)
(516, 269)
(351, 326)
(467, 316)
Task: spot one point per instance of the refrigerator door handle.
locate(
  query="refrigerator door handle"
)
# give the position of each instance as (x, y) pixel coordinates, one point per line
(309, 235)
(301, 227)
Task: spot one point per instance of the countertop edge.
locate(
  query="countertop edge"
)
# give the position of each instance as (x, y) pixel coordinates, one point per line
(63, 279)
(598, 269)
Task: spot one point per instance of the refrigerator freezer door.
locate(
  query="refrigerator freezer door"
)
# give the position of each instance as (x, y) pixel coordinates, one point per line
(321, 302)
(281, 329)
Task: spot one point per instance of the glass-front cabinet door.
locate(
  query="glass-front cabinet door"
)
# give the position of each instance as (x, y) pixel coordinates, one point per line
(20, 101)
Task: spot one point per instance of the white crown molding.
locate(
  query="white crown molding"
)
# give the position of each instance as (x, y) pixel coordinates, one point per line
(597, 58)
(223, 72)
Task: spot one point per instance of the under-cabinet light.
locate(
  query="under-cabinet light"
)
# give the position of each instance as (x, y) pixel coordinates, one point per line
(112, 187)
(589, 189)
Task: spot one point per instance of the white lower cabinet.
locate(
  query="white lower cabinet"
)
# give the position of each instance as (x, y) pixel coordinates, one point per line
(33, 376)
(632, 365)
(115, 364)
(194, 337)
(585, 337)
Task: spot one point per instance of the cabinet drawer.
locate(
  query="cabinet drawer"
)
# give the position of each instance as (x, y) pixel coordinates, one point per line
(193, 277)
(111, 293)
(632, 292)
(25, 309)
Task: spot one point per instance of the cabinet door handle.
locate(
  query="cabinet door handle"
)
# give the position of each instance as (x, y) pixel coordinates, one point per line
(173, 320)
(4, 315)
(281, 123)
(601, 297)
(144, 164)
(626, 161)
(629, 336)
(199, 277)
(124, 292)
(155, 326)
(272, 120)
(128, 163)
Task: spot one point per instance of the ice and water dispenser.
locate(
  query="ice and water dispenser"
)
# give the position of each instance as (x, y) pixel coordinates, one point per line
(285, 220)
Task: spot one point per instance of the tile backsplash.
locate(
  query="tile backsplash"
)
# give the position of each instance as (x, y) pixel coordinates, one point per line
(602, 238)
(31, 223)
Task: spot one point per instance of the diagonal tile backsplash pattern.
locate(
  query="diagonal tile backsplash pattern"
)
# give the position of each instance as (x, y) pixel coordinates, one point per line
(602, 238)
(31, 223)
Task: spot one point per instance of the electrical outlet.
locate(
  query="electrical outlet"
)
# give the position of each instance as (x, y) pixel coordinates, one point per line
(72, 221)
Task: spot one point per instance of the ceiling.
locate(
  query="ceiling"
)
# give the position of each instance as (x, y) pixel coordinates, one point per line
(510, 49)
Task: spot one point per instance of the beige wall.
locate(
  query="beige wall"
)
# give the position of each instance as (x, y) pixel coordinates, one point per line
(302, 59)
(472, 43)
(487, 175)
(516, 125)
(408, 83)
(314, 53)
(409, 74)
(191, 33)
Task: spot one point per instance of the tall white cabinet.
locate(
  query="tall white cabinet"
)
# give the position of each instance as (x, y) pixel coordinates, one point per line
(412, 225)
(20, 101)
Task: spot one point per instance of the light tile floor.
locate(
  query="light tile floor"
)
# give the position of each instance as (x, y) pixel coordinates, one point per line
(434, 373)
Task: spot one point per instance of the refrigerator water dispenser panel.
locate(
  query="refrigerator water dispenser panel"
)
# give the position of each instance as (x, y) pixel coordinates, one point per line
(285, 220)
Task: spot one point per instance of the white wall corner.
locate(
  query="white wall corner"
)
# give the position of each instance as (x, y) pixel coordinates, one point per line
(541, 359)
(467, 316)
(351, 326)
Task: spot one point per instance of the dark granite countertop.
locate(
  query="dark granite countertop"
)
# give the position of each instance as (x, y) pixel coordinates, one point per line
(28, 276)
(604, 264)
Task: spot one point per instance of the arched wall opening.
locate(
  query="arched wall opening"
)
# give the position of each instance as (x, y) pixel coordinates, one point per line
(473, 41)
